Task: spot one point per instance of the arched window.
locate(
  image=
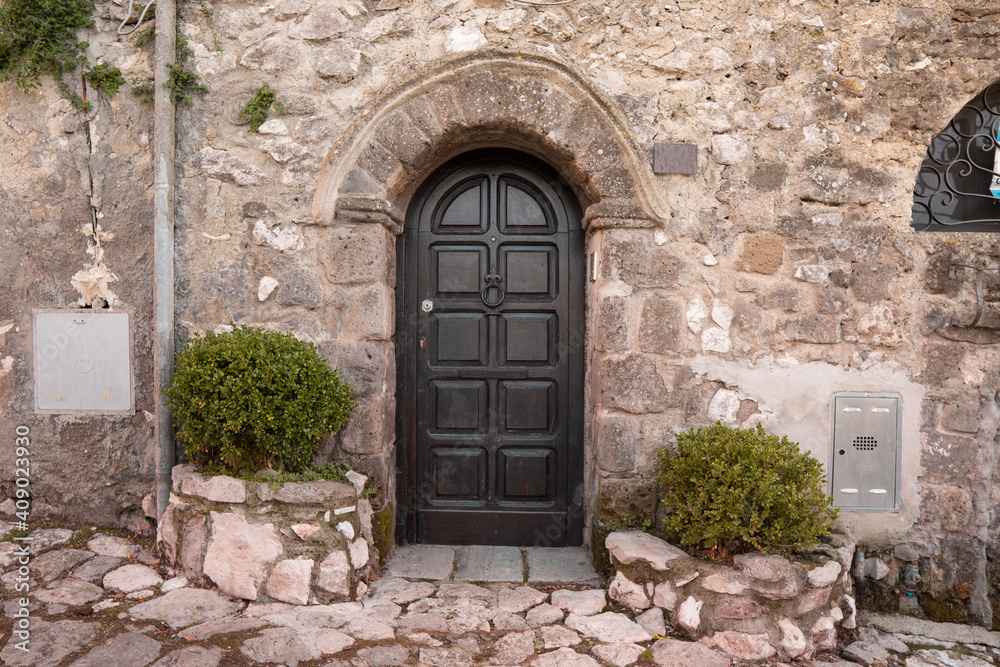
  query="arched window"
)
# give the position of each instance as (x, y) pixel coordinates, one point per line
(958, 186)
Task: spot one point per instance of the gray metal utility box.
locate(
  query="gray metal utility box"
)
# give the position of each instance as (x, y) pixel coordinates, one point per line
(865, 452)
(83, 362)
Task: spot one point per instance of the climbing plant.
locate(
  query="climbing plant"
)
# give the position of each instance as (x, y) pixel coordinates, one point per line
(39, 37)
(257, 107)
(182, 81)
(106, 78)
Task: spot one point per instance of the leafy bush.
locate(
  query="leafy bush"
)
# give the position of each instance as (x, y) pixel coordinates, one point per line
(733, 490)
(106, 77)
(39, 37)
(250, 399)
(257, 107)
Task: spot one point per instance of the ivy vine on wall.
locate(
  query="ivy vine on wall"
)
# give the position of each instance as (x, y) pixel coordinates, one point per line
(39, 37)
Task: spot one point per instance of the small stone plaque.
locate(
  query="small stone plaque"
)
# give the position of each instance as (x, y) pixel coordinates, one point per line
(675, 159)
(83, 362)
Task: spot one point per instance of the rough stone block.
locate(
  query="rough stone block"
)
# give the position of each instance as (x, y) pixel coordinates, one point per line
(420, 111)
(636, 496)
(166, 534)
(765, 568)
(217, 488)
(357, 254)
(371, 427)
(962, 416)
(761, 253)
(271, 55)
(321, 492)
(342, 60)
(612, 324)
(661, 326)
(786, 298)
(937, 275)
(192, 556)
(369, 314)
(744, 645)
(444, 101)
(830, 179)
(628, 547)
(379, 162)
(290, 580)
(401, 137)
(240, 554)
(951, 457)
(821, 329)
(486, 97)
(618, 441)
(676, 653)
(941, 362)
(948, 507)
(872, 281)
(335, 574)
(615, 183)
(299, 285)
(628, 593)
(322, 22)
(632, 383)
(632, 257)
(834, 300)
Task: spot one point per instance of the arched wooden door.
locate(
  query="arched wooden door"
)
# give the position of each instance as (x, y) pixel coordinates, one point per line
(491, 389)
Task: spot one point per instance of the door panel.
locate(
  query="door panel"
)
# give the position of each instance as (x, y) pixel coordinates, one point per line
(493, 272)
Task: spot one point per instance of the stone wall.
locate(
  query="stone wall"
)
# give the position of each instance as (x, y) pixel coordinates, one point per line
(299, 542)
(759, 607)
(782, 271)
(60, 172)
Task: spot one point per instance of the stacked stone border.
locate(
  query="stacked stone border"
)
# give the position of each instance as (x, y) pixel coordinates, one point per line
(299, 542)
(759, 607)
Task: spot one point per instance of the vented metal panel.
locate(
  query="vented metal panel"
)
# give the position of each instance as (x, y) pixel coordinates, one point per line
(83, 362)
(865, 453)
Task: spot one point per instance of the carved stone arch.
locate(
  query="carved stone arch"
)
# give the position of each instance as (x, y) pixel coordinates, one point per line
(534, 104)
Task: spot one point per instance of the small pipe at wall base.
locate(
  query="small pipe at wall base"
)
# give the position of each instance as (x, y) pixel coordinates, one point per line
(163, 246)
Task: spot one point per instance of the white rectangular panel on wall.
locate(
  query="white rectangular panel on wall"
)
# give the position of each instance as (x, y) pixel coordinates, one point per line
(865, 452)
(83, 362)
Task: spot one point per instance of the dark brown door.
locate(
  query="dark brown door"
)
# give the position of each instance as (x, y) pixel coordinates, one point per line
(492, 389)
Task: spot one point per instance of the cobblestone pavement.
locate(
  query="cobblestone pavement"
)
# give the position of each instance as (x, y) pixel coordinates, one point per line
(97, 599)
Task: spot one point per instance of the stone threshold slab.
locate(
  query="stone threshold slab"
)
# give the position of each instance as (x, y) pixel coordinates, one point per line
(950, 632)
(494, 564)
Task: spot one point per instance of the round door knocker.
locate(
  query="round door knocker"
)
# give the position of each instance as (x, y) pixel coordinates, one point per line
(493, 295)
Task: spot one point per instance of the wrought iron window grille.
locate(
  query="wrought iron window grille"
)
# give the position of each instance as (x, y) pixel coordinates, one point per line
(955, 187)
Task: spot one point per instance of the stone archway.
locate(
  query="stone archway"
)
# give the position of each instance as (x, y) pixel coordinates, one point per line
(533, 104)
(525, 102)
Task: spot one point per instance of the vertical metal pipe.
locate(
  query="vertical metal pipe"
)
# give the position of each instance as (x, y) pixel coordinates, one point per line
(163, 245)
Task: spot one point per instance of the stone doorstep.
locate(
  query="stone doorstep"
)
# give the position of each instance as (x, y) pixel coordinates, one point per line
(497, 564)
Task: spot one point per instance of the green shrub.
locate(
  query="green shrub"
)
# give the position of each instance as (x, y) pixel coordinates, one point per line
(105, 77)
(39, 37)
(257, 107)
(732, 490)
(250, 399)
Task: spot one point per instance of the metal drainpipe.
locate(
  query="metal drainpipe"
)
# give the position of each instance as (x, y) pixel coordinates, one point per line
(163, 245)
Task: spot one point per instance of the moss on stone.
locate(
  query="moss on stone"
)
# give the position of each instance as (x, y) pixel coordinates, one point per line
(944, 608)
(382, 531)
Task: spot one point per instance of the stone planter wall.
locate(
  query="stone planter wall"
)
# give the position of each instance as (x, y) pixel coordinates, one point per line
(301, 543)
(759, 607)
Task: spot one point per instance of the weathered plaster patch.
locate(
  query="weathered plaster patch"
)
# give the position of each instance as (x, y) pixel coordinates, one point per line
(794, 400)
(92, 282)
